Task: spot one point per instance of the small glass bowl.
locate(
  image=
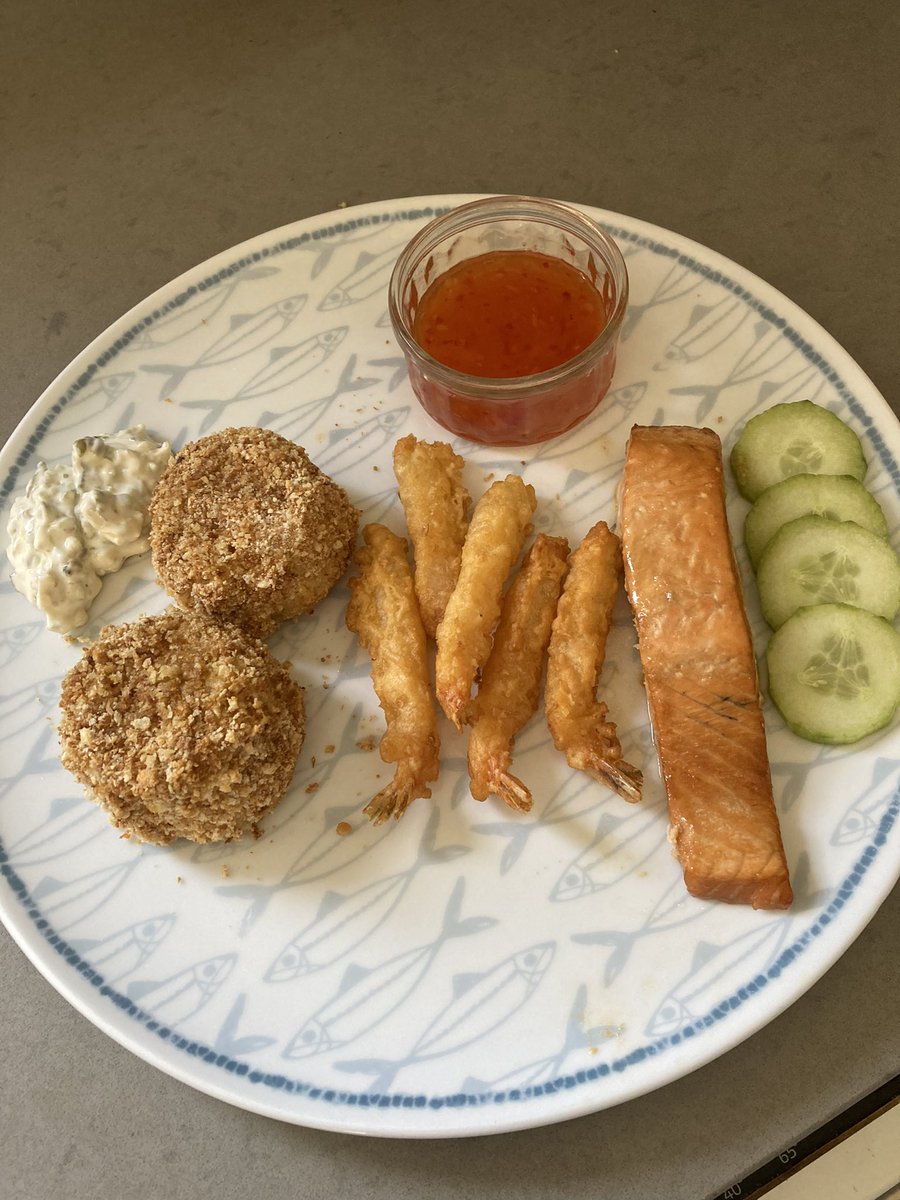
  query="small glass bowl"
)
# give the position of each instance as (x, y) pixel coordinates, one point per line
(526, 409)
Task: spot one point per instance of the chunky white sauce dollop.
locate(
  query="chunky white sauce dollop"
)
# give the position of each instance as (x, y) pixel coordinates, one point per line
(78, 523)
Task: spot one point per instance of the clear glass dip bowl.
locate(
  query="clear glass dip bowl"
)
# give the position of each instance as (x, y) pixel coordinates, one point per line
(522, 410)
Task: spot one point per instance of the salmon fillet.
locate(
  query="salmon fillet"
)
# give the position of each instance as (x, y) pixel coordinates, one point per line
(699, 667)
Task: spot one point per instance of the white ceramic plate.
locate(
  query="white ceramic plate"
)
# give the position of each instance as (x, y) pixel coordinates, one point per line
(467, 970)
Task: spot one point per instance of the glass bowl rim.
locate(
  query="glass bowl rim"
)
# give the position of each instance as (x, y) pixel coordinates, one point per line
(486, 211)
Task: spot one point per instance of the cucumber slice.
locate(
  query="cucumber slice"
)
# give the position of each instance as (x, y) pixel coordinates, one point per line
(794, 439)
(816, 561)
(834, 673)
(838, 497)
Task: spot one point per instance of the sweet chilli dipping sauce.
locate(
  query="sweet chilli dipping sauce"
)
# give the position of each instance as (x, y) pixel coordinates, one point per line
(508, 314)
(508, 310)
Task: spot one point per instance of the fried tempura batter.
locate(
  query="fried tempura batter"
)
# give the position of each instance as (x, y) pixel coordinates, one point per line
(577, 719)
(499, 524)
(511, 684)
(384, 615)
(429, 478)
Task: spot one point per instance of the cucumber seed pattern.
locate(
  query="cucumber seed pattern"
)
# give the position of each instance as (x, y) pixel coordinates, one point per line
(831, 577)
(838, 668)
(801, 458)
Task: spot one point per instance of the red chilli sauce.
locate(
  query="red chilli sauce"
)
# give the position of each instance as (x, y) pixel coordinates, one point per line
(509, 314)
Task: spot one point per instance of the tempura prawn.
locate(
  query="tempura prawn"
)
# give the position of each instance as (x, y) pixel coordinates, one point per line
(429, 479)
(511, 684)
(494, 539)
(384, 614)
(577, 719)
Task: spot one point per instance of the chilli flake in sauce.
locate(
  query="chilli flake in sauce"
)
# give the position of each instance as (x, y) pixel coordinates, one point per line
(508, 314)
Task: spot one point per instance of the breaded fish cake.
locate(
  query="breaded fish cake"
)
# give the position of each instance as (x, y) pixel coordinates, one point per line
(246, 528)
(180, 727)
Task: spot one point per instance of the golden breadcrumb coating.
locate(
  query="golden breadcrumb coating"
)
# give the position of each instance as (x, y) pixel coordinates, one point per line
(181, 728)
(245, 527)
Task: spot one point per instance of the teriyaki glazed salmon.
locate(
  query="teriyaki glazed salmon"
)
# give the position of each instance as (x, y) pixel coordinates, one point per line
(699, 667)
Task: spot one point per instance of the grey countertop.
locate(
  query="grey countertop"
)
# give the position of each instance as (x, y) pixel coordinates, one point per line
(139, 139)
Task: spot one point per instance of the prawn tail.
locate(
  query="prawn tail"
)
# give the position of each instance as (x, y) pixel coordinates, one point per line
(395, 799)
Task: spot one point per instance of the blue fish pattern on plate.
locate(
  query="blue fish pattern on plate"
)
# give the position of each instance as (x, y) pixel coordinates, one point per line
(466, 969)
(367, 996)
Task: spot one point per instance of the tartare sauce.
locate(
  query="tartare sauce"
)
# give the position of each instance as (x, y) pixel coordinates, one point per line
(79, 522)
